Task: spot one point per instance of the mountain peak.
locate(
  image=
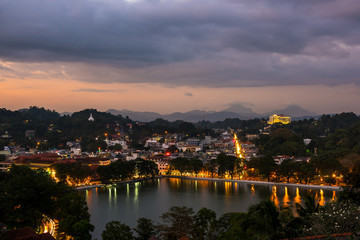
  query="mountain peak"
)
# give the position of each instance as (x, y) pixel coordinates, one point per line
(293, 111)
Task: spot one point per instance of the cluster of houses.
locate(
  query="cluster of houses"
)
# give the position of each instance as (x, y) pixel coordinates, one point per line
(158, 148)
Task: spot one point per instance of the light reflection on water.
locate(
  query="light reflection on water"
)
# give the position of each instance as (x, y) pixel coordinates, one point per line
(286, 199)
(128, 202)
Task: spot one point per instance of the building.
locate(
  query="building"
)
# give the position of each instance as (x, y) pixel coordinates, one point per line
(193, 141)
(5, 166)
(91, 118)
(279, 159)
(162, 161)
(279, 119)
(37, 161)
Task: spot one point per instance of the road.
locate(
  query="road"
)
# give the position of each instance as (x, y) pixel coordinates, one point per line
(238, 149)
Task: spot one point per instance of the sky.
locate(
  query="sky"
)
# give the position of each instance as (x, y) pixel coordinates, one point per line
(180, 55)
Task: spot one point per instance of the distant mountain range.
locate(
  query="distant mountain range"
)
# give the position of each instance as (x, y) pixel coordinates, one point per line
(234, 111)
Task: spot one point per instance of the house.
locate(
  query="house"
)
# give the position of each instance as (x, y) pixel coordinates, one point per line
(114, 142)
(162, 161)
(193, 141)
(4, 166)
(190, 148)
(252, 136)
(279, 159)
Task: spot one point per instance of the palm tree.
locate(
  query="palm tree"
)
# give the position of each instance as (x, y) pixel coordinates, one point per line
(262, 221)
(310, 206)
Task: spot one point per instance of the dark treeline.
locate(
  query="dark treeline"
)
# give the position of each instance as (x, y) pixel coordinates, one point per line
(120, 170)
(75, 173)
(223, 166)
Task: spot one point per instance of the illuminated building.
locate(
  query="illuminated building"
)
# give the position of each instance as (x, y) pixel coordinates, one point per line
(279, 119)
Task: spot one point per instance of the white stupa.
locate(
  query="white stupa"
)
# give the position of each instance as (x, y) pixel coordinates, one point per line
(91, 118)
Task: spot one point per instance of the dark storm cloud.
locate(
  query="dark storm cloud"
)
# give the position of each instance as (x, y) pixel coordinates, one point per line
(183, 42)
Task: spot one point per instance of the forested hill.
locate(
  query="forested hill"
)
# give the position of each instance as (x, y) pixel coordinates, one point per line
(329, 131)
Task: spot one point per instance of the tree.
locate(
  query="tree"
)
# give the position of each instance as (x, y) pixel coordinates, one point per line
(115, 230)
(226, 164)
(27, 195)
(205, 221)
(287, 169)
(336, 217)
(72, 214)
(177, 222)
(172, 149)
(240, 166)
(145, 229)
(79, 172)
(75, 172)
(146, 168)
(330, 180)
(230, 226)
(105, 173)
(305, 171)
(211, 166)
(195, 165)
(62, 171)
(116, 147)
(180, 164)
(266, 166)
(310, 206)
(327, 162)
(262, 221)
(81, 230)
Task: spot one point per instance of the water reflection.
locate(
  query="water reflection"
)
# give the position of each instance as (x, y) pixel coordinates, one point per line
(297, 198)
(252, 189)
(136, 191)
(128, 202)
(286, 199)
(274, 197)
(227, 188)
(322, 199)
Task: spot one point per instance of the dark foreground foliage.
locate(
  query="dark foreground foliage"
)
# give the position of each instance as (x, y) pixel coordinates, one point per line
(28, 196)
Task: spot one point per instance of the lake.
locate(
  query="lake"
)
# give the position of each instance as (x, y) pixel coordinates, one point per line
(128, 202)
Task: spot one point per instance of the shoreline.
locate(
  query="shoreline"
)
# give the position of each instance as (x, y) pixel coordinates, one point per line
(121, 182)
(89, 186)
(335, 188)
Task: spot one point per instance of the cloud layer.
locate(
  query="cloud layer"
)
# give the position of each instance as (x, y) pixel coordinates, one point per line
(214, 43)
